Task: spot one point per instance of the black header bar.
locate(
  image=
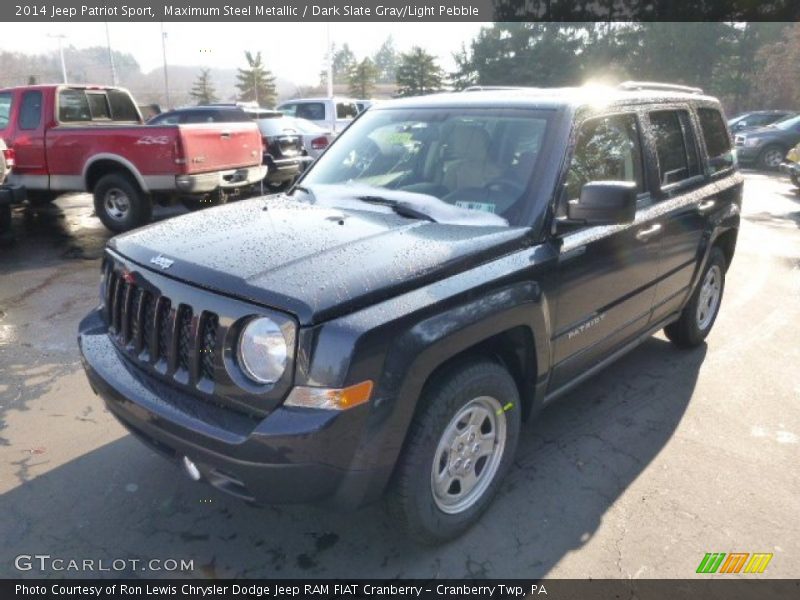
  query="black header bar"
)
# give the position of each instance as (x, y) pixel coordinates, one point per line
(712, 588)
(398, 10)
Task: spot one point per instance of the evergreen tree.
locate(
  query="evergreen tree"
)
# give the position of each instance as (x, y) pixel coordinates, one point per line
(203, 89)
(256, 83)
(362, 79)
(386, 59)
(418, 73)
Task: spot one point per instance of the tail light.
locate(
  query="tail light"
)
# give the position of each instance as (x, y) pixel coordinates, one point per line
(177, 151)
(319, 143)
(10, 157)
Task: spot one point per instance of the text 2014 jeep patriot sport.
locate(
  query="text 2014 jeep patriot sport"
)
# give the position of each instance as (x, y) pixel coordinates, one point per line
(450, 265)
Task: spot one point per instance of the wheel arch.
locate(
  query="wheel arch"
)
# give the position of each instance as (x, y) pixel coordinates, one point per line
(103, 164)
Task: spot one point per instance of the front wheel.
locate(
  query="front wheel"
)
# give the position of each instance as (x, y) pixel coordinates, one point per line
(460, 446)
(771, 157)
(120, 204)
(698, 316)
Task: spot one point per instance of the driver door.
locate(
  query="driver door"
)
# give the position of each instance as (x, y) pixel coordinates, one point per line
(607, 273)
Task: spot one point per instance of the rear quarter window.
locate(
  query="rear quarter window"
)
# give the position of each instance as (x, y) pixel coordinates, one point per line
(718, 142)
(6, 99)
(122, 106)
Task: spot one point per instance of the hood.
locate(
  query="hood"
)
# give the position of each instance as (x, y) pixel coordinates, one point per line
(315, 262)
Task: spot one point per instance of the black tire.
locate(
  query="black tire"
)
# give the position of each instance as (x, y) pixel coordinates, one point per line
(771, 157)
(689, 330)
(410, 499)
(5, 218)
(40, 197)
(108, 200)
(795, 179)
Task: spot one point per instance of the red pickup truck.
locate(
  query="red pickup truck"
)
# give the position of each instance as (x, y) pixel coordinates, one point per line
(92, 138)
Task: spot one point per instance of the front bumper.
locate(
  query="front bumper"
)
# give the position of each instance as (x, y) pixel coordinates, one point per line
(293, 455)
(202, 183)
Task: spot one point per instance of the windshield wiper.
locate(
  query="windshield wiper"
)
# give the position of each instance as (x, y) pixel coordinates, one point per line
(404, 209)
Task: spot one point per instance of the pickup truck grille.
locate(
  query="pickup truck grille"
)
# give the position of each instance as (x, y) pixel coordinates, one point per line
(155, 333)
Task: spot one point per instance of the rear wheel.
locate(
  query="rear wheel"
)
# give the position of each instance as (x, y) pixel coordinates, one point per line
(771, 157)
(699, 314)
(120, 204)
(460, 446)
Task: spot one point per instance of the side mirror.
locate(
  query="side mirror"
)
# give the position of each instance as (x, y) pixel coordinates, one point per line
(604, 203)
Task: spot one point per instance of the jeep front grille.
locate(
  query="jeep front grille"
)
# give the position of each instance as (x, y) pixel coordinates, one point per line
(173, 338)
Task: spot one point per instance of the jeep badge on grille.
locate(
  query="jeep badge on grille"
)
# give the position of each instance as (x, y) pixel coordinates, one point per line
(162, 261)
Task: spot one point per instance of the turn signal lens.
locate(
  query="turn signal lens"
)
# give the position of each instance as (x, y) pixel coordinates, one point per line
(329, 398)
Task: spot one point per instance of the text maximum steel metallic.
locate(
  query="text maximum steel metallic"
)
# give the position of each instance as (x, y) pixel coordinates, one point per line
(448, 266)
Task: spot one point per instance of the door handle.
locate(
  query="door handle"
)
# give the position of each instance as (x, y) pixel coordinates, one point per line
(225, 134)
(706, 206)
(645, 234)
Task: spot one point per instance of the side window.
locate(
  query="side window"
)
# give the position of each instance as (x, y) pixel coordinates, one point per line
(290, 110)
(5, 108)
(313, 111)
(718, 143)
(73, 106)
(675, 146)
(30, 111)
(122, 106)
(346, 110)
(172, 119)
(98, 105)
(199, 116)
(606, 149)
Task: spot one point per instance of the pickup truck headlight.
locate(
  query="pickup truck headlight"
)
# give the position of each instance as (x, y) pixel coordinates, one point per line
(263, 351)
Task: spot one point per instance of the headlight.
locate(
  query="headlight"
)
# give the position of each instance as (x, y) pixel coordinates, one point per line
(751, 141)
(263, 352)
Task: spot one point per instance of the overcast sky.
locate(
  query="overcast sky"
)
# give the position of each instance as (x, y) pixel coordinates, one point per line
(293, 51)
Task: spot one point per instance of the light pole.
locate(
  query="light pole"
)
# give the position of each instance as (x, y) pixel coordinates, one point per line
(164, 54)
(60, 37)
(111, 57)
(330, 63)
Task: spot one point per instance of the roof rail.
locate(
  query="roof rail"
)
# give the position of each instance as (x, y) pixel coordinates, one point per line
(655, 85)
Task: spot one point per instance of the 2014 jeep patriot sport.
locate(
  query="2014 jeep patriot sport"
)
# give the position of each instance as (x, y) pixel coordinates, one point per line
(450, 265)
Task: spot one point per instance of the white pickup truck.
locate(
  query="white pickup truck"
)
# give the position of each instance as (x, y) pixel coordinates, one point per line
(333, 114)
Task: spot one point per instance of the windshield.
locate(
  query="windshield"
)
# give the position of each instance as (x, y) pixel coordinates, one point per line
(787, 123)
(473, 159)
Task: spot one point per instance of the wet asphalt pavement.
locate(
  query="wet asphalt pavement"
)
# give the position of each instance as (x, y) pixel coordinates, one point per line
(639, 472)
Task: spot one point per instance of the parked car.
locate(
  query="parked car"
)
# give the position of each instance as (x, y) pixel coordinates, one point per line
(792, 165)
(6, 160)
(315, 138)
(767, 146)
(9, 195)
(333, 114)
(92, 139)
(284, 155)
(451, 264)
(758, 118)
